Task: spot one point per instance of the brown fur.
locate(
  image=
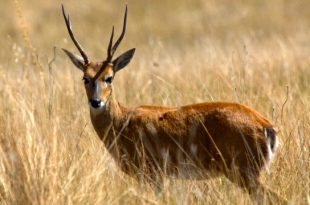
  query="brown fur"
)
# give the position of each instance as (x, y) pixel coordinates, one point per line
(191, 142)
(225, 134)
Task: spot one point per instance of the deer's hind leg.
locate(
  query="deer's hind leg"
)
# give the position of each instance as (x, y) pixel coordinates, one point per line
(260, 194)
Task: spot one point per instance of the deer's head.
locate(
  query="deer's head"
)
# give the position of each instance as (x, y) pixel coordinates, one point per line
(98, 75)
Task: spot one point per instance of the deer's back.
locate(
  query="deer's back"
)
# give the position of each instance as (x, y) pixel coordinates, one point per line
(200, 135)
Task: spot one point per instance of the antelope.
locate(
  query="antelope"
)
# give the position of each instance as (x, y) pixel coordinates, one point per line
(196, 141)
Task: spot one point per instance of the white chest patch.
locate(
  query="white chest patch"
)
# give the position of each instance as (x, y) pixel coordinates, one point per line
(96, 111)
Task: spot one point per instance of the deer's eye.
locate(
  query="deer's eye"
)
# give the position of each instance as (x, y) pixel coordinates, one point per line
(86, 80)
(108, 80)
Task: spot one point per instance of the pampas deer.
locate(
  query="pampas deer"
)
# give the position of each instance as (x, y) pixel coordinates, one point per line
(190, 142)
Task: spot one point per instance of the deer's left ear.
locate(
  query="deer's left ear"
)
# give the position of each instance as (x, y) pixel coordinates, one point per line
(123, 60)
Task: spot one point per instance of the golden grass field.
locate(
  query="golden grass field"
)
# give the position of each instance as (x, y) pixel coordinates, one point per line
(255, 52)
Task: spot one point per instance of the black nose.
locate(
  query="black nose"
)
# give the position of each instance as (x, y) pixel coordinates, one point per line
(95, 103)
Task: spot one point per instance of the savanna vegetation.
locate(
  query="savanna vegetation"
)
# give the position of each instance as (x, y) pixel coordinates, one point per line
(253, 52)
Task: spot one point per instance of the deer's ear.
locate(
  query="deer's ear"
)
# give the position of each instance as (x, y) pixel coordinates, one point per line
(123, 60)
(78, 61)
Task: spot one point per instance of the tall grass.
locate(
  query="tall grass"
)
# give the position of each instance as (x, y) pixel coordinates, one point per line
(253, 52)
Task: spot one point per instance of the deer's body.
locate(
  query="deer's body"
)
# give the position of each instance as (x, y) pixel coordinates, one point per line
(193, 142)
(209, 136)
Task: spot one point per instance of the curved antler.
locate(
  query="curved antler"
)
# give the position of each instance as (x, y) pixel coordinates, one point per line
(111, 50)
(76, 43)
(122, 35)
(110, 55)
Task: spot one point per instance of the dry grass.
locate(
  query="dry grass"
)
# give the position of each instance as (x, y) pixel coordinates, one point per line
(253, 52)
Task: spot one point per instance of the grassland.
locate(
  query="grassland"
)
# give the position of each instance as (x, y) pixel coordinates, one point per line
(253, 52)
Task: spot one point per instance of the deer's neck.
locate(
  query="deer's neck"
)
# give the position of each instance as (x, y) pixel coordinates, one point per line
(107, 119)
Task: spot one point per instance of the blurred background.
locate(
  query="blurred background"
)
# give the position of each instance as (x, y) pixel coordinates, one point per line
(173, 23)
(167, 34)
(255, 52)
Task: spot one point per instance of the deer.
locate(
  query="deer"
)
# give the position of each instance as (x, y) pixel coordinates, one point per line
(196, 142)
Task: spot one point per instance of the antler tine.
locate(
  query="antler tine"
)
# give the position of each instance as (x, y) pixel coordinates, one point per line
(76, 43)
(111, 49)
(109, 58)
(123, 33)
(110, 55)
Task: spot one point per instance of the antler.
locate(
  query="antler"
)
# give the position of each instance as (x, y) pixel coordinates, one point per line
(110, 54)
(111, 50)
(76, 43)
(120, 37)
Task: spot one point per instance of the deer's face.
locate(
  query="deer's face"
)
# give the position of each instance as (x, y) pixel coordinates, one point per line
(98, 90)
(98, 77)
